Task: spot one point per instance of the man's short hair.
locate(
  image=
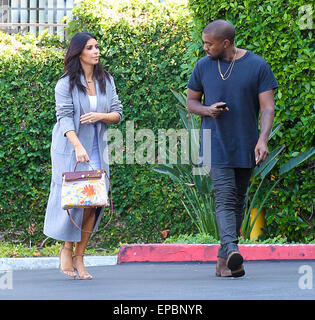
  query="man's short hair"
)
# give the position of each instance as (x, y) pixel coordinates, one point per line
(221, 29)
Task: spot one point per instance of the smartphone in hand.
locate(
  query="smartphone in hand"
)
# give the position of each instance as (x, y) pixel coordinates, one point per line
(221, 106)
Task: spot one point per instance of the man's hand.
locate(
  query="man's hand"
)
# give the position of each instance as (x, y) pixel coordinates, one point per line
(266, 101)
(261, 151)
(215, 112)
(194, 105)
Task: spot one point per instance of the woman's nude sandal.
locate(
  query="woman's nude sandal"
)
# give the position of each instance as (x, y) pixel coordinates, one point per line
(69, 273)
(84, 276)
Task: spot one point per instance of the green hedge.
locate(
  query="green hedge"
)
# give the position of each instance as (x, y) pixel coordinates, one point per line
(142, 44)
(28, 70)
(271, 29)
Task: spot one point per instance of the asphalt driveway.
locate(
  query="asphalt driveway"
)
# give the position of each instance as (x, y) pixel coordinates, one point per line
(264, 280)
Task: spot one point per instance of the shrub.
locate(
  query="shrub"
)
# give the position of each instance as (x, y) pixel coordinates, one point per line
(272, 29)
(28, 73)
(142, 44)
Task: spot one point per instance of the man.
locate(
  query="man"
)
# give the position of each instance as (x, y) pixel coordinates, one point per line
(244, 82)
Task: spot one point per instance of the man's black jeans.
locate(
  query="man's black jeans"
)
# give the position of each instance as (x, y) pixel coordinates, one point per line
(230, 187)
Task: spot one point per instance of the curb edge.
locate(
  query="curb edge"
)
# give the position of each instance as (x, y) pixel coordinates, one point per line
(208, 252)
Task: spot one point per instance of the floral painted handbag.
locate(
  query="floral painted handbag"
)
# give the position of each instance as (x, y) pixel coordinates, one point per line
(84, 189)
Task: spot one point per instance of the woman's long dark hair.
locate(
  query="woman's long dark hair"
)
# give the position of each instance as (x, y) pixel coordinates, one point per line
(73, 65)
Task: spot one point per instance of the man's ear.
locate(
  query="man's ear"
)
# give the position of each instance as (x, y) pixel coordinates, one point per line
(227, 43)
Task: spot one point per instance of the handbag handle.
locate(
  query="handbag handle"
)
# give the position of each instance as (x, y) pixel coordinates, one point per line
(111, 205)
(75, 168)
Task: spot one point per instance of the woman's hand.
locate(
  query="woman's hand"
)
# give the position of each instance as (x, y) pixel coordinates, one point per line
(81, 154)
(91, 117)
(107, 118)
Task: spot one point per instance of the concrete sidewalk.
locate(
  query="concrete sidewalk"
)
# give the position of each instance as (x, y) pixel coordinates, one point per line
(30, 263)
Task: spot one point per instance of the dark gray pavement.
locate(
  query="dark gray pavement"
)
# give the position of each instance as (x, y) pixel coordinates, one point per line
(264, 280)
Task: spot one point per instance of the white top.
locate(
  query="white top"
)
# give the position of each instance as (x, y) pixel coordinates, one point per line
(93, 103)
(95, 155)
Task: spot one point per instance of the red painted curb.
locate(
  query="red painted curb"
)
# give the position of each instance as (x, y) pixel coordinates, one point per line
(208, 252)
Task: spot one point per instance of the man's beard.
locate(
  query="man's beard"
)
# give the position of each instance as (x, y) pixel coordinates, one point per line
(218, 56)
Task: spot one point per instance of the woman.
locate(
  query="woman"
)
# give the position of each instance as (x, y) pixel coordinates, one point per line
(86, 102)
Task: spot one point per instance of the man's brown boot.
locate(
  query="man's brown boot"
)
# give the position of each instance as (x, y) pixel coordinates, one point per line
(235, 264)
(234, 260)
(238, 272)
(221, 269)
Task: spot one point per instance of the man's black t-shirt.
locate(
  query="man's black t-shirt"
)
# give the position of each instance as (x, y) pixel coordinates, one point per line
(234, 134)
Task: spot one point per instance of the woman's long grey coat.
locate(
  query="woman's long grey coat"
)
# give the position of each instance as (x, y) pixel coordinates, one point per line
(69, 108)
